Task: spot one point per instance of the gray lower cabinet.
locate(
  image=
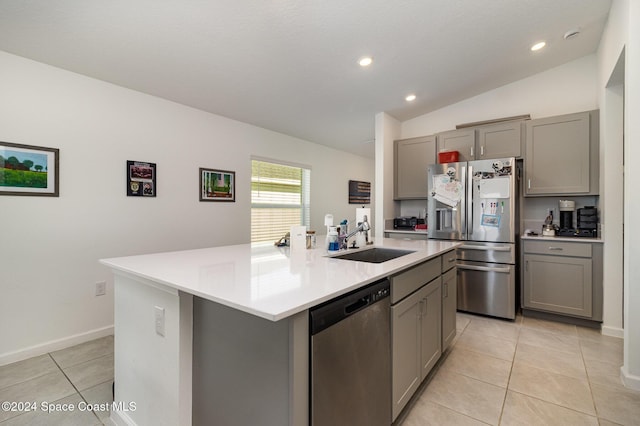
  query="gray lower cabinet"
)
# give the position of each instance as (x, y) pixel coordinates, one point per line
(561, 155)
(559, 278)
(416, 346)
(411, 159)
(449, 306)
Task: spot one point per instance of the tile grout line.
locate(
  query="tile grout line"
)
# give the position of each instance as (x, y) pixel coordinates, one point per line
(506, 391)
(74, 386)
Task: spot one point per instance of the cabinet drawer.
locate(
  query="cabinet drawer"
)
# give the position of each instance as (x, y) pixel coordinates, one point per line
(448, 260)
(409, 281)
(558, 248)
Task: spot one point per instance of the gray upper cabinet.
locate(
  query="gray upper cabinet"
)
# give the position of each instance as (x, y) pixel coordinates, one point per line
(500, 140)
(411, 159)
(561, 155)
(462, 140)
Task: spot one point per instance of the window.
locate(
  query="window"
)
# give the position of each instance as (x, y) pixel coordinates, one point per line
(280, 196)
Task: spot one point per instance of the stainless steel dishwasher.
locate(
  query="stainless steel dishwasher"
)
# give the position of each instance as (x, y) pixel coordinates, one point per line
(351, 359)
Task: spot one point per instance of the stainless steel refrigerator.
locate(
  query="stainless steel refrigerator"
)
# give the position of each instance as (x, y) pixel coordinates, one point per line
(476, 202)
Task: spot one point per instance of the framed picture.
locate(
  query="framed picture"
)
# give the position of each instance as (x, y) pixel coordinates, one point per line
(141, 179)
(217, 185)
(359, 192)
(29, 170)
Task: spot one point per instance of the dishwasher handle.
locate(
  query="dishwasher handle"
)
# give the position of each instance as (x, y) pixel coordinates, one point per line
(357, 305)
(342, 307)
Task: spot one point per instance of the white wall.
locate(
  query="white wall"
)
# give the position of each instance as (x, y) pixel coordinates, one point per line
(622, 33)
(50, 247)
(387, 130)
(562, 90)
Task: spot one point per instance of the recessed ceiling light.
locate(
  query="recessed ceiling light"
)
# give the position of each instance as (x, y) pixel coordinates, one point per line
(366, 61)
(538, 46)
(410, 98)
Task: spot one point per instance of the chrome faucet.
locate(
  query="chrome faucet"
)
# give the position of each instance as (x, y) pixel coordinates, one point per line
(363, 227)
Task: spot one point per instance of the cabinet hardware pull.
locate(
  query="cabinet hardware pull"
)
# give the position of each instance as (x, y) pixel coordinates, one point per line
(526, 266)
(485, 248)
(528, 183)
(556, 248)
(472, 151)
(481, 151)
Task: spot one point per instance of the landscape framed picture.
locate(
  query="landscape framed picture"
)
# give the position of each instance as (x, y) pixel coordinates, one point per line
(141, 179)
(217, 185)
(29, 170)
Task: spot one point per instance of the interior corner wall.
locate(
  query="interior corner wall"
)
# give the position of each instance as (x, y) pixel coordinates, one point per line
(51, 245)
(611, 99)
(565, 89)
(631, 368)
(387, 130)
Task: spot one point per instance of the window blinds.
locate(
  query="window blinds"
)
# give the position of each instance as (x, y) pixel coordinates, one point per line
(280, 198)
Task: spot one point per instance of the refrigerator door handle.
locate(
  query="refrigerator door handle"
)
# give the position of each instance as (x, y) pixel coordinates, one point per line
(469, 202)
(484, 268)
(485, 248)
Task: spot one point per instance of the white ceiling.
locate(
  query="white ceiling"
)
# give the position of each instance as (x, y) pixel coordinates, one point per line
(291, 66)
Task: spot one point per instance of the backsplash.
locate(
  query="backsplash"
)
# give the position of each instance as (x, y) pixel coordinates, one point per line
(536, 209)
(417, 208)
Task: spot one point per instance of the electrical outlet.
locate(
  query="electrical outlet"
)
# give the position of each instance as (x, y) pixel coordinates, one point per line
(101, 288)
(159, 316)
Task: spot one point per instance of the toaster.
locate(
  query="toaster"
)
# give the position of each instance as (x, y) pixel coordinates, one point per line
(405, 222)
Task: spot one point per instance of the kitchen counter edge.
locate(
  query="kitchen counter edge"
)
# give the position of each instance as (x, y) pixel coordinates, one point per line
(306, 292)
(566, 239)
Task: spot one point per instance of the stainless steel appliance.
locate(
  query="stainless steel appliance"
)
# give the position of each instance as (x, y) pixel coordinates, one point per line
(406, 222)
(351, 359)
(477, 202)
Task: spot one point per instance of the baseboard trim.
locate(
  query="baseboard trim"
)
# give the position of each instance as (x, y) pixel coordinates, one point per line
(120, 418)
(613, 331)
(54, 345)
(630, 381)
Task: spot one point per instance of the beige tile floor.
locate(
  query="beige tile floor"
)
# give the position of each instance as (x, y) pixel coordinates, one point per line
(527, 372)
(78, 376)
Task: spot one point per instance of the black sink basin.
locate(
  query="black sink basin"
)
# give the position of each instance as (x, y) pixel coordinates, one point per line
(373, 255)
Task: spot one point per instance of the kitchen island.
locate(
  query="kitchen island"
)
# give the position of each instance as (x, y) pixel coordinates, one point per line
(224, 330)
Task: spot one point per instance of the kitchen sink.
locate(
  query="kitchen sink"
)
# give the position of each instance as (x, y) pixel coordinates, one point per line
(373, 255)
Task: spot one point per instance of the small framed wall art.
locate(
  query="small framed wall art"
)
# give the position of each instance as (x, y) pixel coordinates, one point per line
(141, 179)
(217, 185)
(29, 170)
(359, 192)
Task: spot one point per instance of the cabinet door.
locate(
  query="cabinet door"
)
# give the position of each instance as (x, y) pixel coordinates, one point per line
(558, 284)
(500, 141)
(412, 157)
(557, 155)
(405, 350)
(449, 305)
(462, 141)
(431, 326)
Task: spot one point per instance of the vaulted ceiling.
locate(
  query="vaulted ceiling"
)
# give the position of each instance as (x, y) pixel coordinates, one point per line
(292, 66)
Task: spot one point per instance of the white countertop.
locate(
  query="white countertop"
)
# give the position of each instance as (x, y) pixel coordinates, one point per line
(568, 239)
(268, 281)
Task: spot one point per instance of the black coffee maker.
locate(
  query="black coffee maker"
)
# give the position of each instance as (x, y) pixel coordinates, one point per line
(566, 208)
